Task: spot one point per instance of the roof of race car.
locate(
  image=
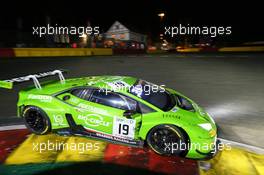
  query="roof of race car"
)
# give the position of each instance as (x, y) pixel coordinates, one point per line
(116, 83)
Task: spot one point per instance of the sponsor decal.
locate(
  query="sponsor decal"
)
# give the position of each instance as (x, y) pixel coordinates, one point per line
(94, 120)
(92, 109)
(124, 128)
(172, 116)
(118, 85)
(58, 120)
(117, 78)
(104, 80)
(27, 78)
(74, 100)
(43, 98)
(106, 136)
(90, 83)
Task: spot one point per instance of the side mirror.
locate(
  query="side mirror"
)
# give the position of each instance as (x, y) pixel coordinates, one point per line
(129, 113)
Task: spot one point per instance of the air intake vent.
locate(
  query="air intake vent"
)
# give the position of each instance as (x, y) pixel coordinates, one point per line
(70, 120)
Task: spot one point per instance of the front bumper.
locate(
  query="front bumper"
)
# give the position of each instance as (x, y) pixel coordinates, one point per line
(203, 148)
(212, 153)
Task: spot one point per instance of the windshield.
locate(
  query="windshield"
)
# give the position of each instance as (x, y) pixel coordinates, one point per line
(154, 94)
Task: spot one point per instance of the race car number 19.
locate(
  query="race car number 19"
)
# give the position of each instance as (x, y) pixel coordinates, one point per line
(124, 128)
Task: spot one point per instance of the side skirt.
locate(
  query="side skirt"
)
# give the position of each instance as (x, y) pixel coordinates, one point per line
(79, 130)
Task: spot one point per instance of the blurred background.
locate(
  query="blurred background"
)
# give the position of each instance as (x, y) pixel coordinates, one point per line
(143, 23)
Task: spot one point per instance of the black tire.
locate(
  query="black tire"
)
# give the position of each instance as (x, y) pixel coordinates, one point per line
(36, 120)
(168, 140)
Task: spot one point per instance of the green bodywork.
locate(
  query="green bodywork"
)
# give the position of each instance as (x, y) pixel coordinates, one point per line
(101, 118)
(6, 84)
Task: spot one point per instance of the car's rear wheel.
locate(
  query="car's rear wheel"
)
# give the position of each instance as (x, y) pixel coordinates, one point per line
(36, 120)
(168, 140)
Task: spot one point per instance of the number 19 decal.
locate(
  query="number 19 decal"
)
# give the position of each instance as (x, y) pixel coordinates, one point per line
(124, 128)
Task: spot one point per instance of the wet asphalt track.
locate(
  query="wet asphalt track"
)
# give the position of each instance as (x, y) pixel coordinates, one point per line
(229, 86)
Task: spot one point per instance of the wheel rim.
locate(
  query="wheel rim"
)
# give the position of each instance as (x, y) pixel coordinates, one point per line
(162, 140)
(35, 121)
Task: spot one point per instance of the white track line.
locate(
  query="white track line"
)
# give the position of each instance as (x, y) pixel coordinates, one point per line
(241, 145)
(12, 127)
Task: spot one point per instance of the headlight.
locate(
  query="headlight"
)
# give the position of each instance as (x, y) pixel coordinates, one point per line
(206, 126)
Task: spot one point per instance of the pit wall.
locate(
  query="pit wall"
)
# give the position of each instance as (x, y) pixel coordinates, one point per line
(59, 52)
(53, 52)
(242, 49)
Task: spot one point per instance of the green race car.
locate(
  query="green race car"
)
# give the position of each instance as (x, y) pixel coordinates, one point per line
(118, 109)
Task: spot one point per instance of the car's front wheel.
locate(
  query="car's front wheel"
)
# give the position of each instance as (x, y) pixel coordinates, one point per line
(36, 120)
(167, 140)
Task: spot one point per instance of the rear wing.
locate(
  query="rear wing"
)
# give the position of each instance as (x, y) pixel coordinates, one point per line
(8, 84)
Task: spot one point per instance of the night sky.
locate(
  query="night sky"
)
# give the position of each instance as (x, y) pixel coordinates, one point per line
(246, 18)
